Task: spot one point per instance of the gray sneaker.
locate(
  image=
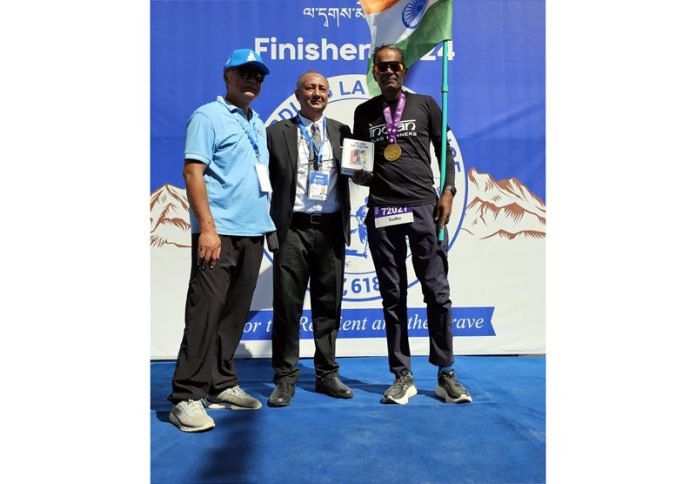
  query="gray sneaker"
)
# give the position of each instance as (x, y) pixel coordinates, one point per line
(234, 398)
(450, 390)
(190, 416)
(402, 389)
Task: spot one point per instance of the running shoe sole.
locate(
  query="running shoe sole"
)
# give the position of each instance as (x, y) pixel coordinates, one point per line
(173, 419)
(229, 406)
(442, 393)
(411, 392)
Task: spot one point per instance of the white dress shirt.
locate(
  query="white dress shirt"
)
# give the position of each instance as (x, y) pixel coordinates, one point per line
(328, 165)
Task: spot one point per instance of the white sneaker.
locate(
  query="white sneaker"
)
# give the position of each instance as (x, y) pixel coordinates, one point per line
(401, 390)
(190, 416)
(233, 397)
(450, 390)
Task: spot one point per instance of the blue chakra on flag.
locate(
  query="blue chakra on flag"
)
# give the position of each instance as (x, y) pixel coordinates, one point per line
(413, 13)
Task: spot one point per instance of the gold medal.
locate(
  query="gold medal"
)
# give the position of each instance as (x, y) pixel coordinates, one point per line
(392, 152)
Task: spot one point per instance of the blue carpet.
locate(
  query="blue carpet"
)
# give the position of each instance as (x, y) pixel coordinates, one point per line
(499, 438)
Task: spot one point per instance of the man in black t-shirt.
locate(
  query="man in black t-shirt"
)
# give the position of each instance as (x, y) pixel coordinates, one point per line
(403, 203)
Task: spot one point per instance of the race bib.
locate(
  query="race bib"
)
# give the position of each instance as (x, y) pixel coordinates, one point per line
(387, 216)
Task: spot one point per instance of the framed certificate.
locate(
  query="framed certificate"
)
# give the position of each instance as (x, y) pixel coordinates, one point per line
(357, 155)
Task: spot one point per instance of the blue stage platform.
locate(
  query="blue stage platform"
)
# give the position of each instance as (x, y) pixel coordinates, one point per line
(499, 438)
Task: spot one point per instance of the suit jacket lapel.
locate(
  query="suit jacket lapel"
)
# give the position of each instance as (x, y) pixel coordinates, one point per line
(290, 133)
(335, 136)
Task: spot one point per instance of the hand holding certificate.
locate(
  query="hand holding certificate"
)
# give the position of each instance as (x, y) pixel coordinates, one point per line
(357, 155)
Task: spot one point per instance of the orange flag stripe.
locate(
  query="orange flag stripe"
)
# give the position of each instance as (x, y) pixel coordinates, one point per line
(372, 6)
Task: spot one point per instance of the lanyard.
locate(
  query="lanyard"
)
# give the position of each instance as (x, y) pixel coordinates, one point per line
(305, 134)
(393, 123)
(254, 142)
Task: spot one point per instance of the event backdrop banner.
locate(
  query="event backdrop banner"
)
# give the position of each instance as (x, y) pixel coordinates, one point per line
(497, 133)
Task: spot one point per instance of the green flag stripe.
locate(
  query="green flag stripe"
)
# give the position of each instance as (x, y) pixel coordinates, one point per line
(434, 27)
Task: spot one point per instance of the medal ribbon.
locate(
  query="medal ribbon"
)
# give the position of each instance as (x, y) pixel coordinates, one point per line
(305, 134)
(392, 124)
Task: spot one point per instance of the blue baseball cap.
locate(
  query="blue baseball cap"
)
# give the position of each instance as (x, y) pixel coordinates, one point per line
(241, 57)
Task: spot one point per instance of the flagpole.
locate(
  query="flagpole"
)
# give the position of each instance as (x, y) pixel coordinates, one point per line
(443, 145)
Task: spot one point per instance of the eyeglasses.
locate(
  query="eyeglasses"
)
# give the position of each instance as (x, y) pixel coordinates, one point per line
(381, 67)
(251, 74)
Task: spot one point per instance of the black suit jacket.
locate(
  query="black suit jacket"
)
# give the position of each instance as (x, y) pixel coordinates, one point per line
(282, 146)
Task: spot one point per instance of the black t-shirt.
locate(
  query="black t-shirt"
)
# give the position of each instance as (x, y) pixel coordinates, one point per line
(409, 179)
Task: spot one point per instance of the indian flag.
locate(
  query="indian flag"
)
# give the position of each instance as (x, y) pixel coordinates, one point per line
(415, 26)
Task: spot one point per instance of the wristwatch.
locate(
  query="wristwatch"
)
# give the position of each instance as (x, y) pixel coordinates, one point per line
(451, 188)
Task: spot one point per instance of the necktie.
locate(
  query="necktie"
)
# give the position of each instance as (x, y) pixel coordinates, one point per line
(316, 137)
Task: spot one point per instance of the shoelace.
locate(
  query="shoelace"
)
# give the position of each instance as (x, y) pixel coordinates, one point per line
(194, 407)
(237, 391)
(451, 378)
(396, 385)
(403, 380)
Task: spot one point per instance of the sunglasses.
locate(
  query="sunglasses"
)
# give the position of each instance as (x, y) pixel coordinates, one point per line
(381, 67)
(251, 74)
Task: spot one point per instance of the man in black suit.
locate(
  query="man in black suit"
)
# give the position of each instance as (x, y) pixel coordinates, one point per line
(310, 206)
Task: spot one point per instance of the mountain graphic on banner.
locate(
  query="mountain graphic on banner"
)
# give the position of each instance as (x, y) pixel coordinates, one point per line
(504, 209)
(496, 209)
(169, 217)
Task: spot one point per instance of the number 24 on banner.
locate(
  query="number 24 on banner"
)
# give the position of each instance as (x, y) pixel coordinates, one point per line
(431, 56)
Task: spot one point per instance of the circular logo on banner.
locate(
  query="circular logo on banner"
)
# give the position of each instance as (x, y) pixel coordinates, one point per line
(360, 283)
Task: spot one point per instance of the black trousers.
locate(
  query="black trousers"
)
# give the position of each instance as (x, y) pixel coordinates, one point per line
(314, 253)
(217, 308)
(429, 257)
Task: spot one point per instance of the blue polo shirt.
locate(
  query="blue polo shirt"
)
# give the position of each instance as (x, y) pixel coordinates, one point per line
(217, 136)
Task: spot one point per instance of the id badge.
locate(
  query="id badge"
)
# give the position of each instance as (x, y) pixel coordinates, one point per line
(318, 185)
(388, 216)
(264, 179)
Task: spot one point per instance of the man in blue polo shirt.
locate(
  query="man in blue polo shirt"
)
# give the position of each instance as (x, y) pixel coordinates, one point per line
(226, 174)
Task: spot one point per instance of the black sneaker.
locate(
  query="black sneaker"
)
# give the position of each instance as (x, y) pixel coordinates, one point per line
(450, 390)
(402, 389)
